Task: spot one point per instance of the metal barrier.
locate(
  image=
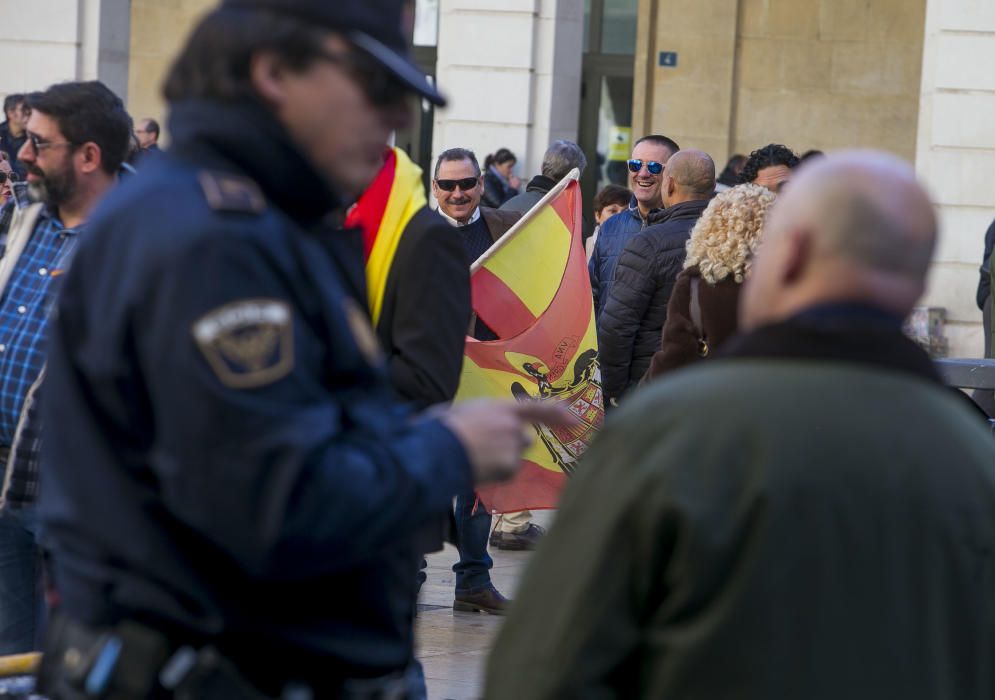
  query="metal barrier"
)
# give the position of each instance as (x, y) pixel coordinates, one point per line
(968, 374)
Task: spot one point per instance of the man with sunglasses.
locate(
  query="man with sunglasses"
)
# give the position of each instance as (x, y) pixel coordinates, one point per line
(458, 187)
(649, 156)
(75, 141)
(632, 320)
(232, 499)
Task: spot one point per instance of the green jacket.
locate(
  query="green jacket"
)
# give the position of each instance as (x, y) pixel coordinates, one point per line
(767, 529)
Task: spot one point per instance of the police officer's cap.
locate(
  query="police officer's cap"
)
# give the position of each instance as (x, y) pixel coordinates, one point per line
(373, 26)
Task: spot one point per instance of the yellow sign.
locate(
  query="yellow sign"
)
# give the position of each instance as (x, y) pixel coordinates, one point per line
(619, 142)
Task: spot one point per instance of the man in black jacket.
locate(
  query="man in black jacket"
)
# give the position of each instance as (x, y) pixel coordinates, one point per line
(426, 309)
(630, 325)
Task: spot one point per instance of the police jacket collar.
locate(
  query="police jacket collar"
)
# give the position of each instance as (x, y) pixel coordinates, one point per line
(244, 137)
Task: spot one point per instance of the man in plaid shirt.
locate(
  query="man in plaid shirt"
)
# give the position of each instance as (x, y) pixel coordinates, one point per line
(77, 137)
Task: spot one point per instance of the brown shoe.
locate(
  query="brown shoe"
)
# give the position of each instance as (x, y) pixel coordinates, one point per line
(487, 600)
(517, 541)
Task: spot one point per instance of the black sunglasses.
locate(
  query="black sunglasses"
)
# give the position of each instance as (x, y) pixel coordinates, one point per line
(466, 183)
(4, 176)
(381, 87)
(635, 165)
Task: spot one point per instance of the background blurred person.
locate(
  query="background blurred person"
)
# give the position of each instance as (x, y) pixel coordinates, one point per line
(7, 178)
(147, 133)
(611, 200)
(560, 158)
(500, 184)
(729, 177)
(13, 130)
(983, 297)
(769, 167)
(702, 310)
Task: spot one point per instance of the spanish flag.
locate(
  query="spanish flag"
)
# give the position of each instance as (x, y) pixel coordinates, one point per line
(382, 212)
(532, 289)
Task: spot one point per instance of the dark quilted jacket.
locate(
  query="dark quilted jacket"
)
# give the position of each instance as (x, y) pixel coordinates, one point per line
(630, 325)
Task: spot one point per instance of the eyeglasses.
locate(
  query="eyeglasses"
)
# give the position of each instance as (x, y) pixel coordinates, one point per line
(4, 176)
(466, 183)
(635, 165)
(381, 87)
(39, 145)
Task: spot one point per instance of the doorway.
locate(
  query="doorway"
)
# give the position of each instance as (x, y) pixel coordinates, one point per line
(605, 129)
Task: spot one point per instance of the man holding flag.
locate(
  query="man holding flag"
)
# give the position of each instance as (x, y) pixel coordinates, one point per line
(458, 187)
(531, 294)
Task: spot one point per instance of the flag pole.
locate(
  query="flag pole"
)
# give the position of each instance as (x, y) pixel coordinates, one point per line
(531, 214)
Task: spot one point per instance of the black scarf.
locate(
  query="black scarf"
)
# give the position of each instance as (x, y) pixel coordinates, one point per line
(854, 333)
(246, 137)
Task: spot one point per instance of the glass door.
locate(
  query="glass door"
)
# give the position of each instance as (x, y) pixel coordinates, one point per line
(605, 129)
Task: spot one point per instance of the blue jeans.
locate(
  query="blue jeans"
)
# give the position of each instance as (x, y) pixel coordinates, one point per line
(22, 606)
(472, 530)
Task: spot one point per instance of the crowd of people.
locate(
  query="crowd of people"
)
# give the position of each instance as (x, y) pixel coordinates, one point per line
(227, 368)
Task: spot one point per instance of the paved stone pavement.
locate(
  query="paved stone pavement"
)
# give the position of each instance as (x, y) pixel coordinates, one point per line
(453, 646)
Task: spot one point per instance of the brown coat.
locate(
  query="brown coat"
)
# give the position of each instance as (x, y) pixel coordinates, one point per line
(499, 220)
(679, 344)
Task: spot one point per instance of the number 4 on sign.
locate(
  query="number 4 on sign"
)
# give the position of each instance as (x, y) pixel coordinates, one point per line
(668, 59)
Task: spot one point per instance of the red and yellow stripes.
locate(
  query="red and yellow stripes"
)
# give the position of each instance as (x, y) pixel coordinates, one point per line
(382, 212)
(532, 288)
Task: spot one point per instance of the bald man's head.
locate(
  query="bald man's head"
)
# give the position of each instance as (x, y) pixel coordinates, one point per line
(688, 176)
(855, 227)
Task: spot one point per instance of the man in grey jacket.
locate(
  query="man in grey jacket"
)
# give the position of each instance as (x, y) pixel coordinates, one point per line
(560, 158)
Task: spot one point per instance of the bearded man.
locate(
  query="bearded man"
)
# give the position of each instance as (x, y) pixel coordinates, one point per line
(76, 139)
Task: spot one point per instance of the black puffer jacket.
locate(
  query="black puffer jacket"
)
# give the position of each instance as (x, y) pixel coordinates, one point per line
(630, 325)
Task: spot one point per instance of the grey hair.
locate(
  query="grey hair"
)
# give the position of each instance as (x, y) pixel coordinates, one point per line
(561, 157)
(456, 154)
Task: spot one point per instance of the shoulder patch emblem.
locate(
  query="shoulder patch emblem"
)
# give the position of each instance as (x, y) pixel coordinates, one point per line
(229, 192)
(248, 343)
(362, 332)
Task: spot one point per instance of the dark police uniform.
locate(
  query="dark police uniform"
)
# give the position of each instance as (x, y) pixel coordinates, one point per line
(226, 464)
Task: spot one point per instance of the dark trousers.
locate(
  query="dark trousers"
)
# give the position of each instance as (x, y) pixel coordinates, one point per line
(473, 526)
(21, 602)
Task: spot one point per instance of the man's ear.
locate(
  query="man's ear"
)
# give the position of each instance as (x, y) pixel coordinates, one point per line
(89, 157)
(799, 245)
(267, 74)
(671, 185)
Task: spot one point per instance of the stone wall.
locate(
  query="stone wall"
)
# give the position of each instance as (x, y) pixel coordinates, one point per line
(511, 70)
(158, 30)
(49, 41)
(824, 74)
(956, 156)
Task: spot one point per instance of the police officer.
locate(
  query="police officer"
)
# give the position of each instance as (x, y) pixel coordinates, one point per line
(229, 492)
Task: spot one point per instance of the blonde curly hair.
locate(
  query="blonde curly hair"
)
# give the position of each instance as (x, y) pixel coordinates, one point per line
(727, 234)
